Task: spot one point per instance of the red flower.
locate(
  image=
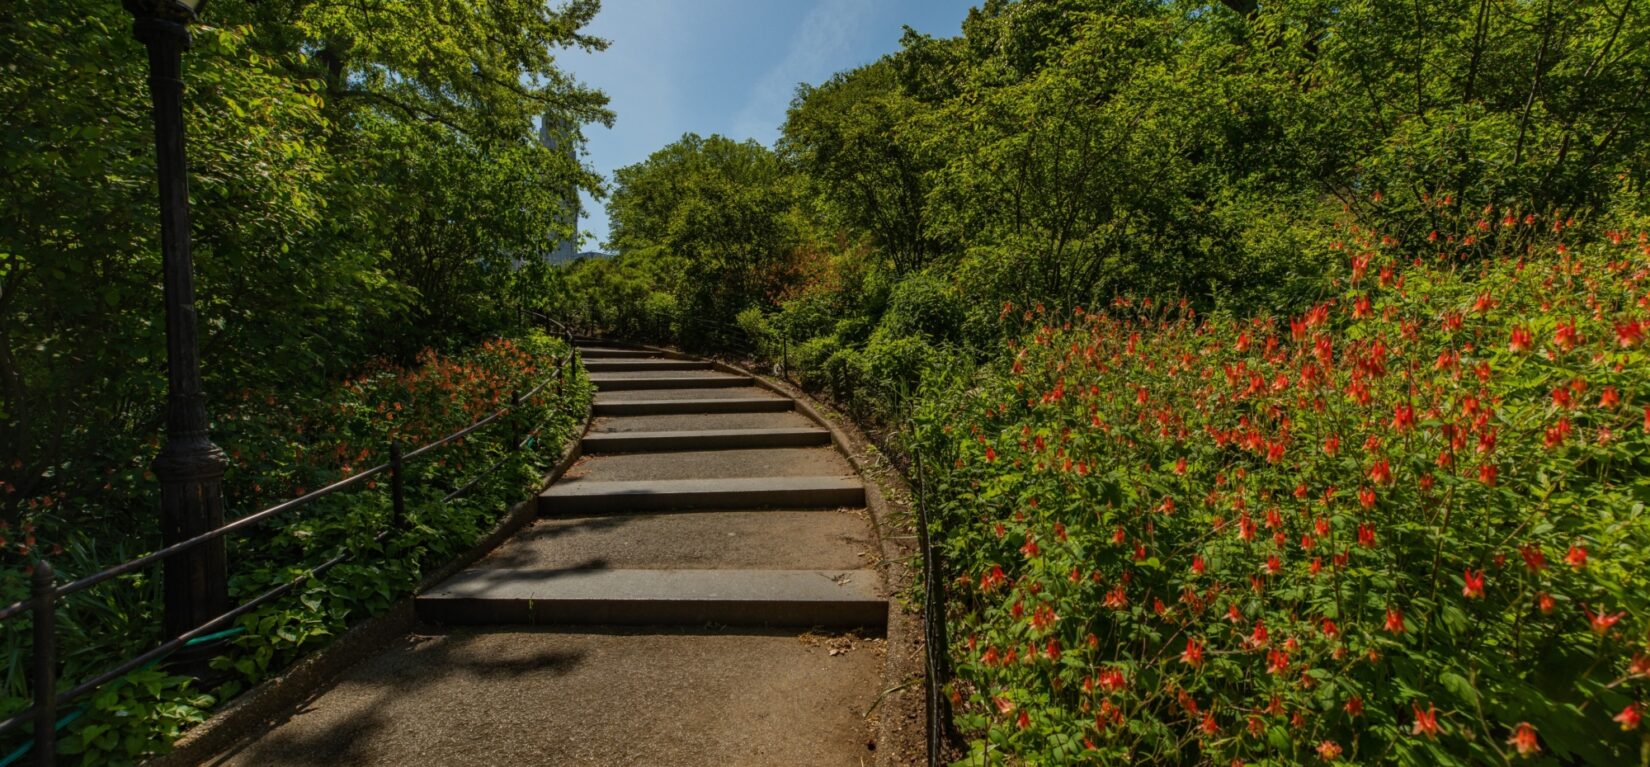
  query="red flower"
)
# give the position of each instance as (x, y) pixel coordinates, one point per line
(1533, 558)
(1354, 706)
(1193, 656)
(1565, 336)
(1030, 549)
(1577, 557)
(1258, 638)
(1474, 584)
(1394, 620)
(1524, 739)
(1601, 622)
(992, 579)
(1629, 717)
(1366, 497)
(1403, 418)
(1545, 601)
(1628, 334)
(1521, 340)
(1366, 535)
(1487, 473)
(1426, 722)
(1381, 472)
(1329, 750)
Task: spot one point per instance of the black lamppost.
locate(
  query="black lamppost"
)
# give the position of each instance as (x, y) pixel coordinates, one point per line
(190, 467)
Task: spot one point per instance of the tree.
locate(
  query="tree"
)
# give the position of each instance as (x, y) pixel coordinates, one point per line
(851, 138)
(717, 210)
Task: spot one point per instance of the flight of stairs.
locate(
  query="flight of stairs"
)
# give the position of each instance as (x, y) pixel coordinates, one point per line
(702, 499)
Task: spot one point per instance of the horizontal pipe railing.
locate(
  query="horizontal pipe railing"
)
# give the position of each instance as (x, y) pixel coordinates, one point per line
(45, 594)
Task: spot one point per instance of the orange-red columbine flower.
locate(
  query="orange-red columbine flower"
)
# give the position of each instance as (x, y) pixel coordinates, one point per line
(1426, 722)
(1524, 739)
(1474, 584)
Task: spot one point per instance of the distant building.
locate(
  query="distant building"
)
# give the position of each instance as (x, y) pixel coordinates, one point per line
(562, 249)
(558, 258)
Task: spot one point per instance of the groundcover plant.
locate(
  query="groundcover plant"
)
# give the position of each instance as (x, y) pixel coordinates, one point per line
(1405, 526)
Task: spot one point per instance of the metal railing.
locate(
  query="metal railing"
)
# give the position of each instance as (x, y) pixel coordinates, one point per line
(45, 592)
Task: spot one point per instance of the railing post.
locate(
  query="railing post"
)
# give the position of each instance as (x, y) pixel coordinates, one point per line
(518, 433)
(398, 497)
(45, 664)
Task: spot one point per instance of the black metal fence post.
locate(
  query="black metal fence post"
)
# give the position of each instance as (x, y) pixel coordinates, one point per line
(398, 498)
(518, 432)
(45, 664)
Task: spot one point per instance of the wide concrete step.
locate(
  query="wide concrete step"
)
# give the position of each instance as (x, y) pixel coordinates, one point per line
(609, 352)
(572, 498)
(632, 364)
(709, 464)
(714, 405)
(708, 439)
(737, 392)
(827, 598)
(787, 419)
(667, 379)
(772, 539)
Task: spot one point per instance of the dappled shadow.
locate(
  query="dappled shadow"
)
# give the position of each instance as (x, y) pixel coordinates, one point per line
(356, 719)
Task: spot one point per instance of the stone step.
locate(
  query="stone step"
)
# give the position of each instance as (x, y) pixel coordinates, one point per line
(772, 539)
(788, 419)
(827, 598)
(710, 464)
(738, 392)
(631, 364)
(613, 352)
(709, 439)
(667, 379)
(574, 498)
(717, 405)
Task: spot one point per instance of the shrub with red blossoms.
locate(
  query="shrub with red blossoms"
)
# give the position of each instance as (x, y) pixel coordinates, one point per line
(1378, 531)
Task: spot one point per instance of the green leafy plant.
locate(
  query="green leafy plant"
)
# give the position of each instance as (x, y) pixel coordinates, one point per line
(1405, 525)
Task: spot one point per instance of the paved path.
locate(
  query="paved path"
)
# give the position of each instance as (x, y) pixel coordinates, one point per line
(699, 590)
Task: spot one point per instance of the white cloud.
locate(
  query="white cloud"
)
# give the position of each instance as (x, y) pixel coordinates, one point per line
(816, 51)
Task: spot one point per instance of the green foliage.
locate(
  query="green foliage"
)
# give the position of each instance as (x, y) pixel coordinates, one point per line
(360, 185)
(279, 448)
(709, 213)
(1405, 525)
(923, 305)
(852, 139)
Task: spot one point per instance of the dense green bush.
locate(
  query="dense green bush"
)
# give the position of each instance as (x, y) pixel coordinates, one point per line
(923, 305)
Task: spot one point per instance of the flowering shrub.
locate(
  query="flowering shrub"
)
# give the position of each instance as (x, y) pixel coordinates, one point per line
(281, 446)
(1405, 526)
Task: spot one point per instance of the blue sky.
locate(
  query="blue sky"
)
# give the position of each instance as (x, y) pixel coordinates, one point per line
(727, 66)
